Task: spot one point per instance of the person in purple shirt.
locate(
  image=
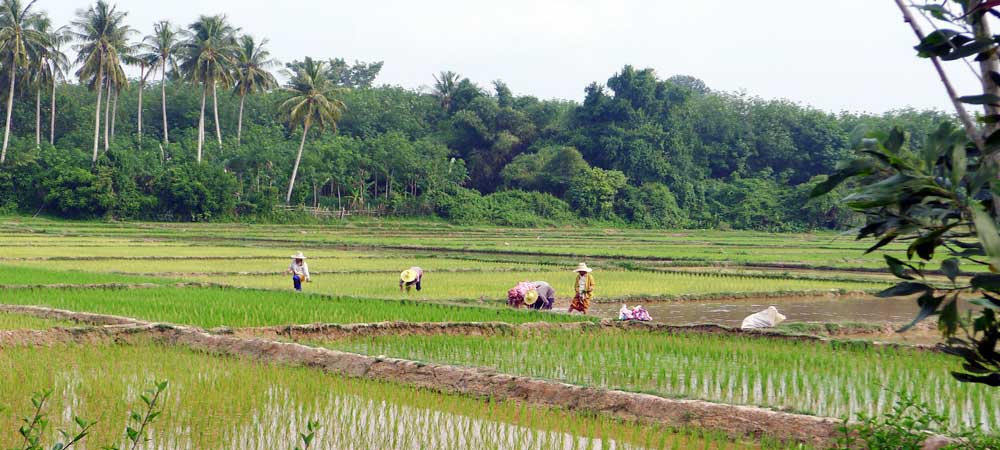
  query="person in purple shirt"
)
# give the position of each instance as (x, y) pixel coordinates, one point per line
(541, 297)
(411, 277)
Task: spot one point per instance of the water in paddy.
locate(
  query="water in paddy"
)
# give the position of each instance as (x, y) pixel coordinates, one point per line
(820, 310)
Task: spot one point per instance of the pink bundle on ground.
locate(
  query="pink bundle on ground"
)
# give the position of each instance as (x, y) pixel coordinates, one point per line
(640, 313)
(515, 295)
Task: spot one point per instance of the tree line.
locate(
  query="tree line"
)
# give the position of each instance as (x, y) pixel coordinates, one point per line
(228, 140)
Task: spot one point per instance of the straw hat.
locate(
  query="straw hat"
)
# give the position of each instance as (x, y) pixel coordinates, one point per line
(531, 297)
(298, 255)
(583, 268)
(408, 276)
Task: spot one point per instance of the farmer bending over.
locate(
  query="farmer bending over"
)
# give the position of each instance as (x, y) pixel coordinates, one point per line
(542, 296)
(411, 277)
(299, 270)
(533, 294)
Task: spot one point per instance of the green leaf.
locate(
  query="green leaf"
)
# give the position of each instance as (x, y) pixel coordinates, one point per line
(950, 267)
(897, 267)
(984, 99)
(948, 323)
(959, 163)
(904, 289)
(987, 282)
(972, 48)
(985, 303)
(928, 307)
(852, 169)
(986, 230)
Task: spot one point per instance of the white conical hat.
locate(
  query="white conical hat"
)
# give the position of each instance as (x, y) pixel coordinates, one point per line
(583, 268)
(298, 255)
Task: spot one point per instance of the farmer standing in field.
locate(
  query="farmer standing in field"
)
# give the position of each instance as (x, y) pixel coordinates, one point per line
(299, 270)
(411, 277)
(584, 289)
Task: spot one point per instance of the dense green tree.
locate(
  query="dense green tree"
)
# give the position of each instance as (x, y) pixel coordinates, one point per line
(593, 192)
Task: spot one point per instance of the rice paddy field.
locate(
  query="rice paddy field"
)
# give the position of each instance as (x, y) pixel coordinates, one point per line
(216, 276)
(834, 380)
(226, 307)
(218, 402)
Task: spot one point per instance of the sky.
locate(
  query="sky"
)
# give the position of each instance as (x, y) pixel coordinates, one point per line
(845, 55)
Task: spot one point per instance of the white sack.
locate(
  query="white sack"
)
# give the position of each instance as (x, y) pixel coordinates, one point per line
(767, 318)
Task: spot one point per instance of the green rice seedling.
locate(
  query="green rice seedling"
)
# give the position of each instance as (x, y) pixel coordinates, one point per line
(817, 249)
(323, 263)
(22, 322)
(829, 379)
(221, 402)
(29, 276)
(218, 307)
(611, 284)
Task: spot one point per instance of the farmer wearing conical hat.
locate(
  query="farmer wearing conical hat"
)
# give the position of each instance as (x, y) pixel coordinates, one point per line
(411, 277)
(584, 289)
(533, 294)
(541, 297)
(299, 270)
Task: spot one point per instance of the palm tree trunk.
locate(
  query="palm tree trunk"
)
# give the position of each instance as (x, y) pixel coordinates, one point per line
(215, 107)
(295, 169)
(114, 114)
(163, 100)
(107, 118)
(52, 125)
(142, 84)
(10, 109)
(38, 117)
(97, 111)
(239, 124)
(201, 121)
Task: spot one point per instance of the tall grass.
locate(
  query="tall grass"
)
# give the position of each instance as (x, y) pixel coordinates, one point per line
(217, 402)
(215, 307)
(819, 378)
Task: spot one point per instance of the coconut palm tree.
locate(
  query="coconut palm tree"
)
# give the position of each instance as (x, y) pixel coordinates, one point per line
(56, 65)
(117, 81)
(102, 36)
(445, 87)
(165, 43)
(251, 75)
(138, 56)
(312, 104)
(47, 64)
(16, 38)
(208, 60)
